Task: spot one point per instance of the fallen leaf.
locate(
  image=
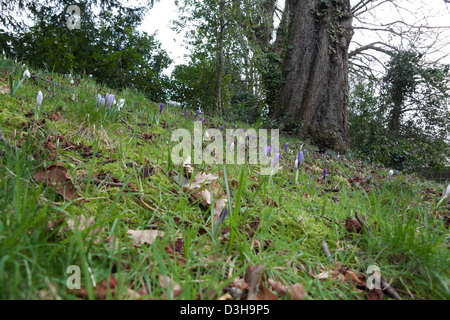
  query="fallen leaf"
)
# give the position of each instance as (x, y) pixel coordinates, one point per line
(56, 117)
(4, 89)
(166, 283)
(198, 191)
(339, 273)
(100, 291)
(375, 294)
(57, 176)
(294, 292)
(253, 277)
(265, 294)
(352, 225)
(145, 236)
(81, 223)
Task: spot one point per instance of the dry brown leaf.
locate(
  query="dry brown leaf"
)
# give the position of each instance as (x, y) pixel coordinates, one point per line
(81, 223)
(166, 283)
(145, 236)
(253, 277)
(4, 89)
(56, 175)
(198, 191)
(100, 291)
(265, 294)
(187, 167)
(226, 296)
(294, 292)
(375, 294)
(340, 273)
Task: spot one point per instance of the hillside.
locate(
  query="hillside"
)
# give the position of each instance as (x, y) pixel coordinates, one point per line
(93, 198)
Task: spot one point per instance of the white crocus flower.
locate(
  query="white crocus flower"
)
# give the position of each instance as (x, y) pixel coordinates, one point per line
(447, 193)
(121, 104)
(39, 99)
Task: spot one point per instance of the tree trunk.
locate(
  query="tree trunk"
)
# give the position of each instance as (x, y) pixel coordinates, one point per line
(313, 95)
(218, 87)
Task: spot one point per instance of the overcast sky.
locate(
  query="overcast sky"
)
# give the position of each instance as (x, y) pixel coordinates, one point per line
(160, 16)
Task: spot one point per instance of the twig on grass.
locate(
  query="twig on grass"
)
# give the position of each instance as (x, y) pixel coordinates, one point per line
(326, 251)
(389, 290)
(361, 222)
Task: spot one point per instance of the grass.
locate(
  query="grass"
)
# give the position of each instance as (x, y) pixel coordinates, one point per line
(40, 239)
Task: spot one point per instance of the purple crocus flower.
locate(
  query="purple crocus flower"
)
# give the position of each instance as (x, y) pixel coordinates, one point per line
(196, 114)
(109, 100)
(286, 146)
(202, 119)
(161, 108)
(186, 113)
(266, 151)
(222, 127)
(222, 216)
(99, 98)
(324, 174)
(299, 159)
(277, 158)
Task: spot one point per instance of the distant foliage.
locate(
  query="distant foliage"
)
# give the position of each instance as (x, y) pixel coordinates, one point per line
(107, 45)
(193, 84)
(402, 121)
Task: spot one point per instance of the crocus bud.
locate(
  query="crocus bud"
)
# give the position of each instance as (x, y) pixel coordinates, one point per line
(277, 158)
(39, 99)
(447, 193)
(161, 108)
(109, 101)
(324, 174)
(202, 119)
(300, 158)
(186, 113)
(266, 151)
(196, 114)
(286, 146)
(121, 104)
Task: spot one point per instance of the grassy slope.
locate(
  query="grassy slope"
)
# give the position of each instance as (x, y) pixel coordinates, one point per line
(408, 242)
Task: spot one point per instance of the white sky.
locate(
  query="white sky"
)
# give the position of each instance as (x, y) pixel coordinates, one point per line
(160, 16)
(159, 19)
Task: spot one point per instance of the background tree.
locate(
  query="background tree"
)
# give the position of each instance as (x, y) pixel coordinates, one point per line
(402, 121)
(106, 45)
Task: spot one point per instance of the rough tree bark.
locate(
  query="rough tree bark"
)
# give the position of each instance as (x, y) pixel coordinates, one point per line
(315, 71)
(218, 85)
